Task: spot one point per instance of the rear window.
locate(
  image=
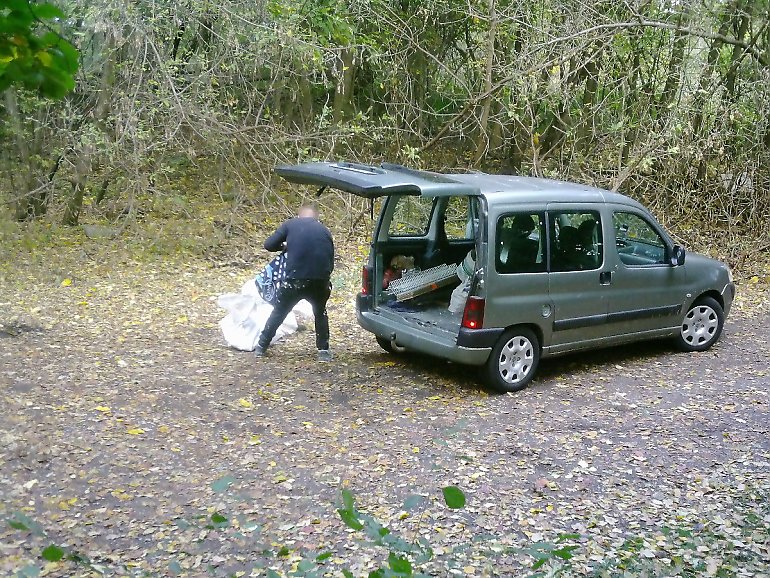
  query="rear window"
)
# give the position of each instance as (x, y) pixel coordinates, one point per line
(411, 216)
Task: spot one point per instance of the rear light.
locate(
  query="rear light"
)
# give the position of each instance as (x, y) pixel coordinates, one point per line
(473, 315)
(366, 286)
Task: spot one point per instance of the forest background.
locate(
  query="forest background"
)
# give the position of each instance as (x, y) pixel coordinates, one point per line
(180, 111)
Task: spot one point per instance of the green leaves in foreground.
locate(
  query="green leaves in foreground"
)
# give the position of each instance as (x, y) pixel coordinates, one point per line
(348, 512)
(32, 55)
(454, 497)
(52, 553)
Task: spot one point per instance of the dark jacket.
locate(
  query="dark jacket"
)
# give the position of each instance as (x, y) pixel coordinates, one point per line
(309, 248)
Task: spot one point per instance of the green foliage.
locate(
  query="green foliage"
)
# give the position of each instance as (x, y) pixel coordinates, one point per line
(454, 497)
(32, 53)
(52, 553)
(640, 555)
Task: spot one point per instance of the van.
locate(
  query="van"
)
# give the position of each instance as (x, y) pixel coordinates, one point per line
(499, 271)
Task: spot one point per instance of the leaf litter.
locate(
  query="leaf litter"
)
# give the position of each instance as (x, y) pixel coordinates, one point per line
(133, 438)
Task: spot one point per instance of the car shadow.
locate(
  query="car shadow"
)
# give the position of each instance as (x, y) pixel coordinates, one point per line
(469, 377)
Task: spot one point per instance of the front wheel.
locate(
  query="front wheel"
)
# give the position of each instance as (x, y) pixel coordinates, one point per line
(513, 361)
(701, 326)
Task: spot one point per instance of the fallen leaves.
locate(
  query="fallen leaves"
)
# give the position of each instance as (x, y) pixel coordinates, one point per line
(619, 452)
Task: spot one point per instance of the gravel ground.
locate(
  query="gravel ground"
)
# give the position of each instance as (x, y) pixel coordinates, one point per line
(136, 443)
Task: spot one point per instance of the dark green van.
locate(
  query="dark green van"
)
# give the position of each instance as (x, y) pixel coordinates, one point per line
(499, 271)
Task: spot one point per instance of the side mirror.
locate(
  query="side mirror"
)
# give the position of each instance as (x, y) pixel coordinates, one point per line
(677, 256)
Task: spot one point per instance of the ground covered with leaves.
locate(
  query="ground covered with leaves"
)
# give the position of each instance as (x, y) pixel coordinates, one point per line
(133, 442)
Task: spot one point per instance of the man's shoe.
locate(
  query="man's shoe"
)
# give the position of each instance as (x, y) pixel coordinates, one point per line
(324, 355)
(259, 351)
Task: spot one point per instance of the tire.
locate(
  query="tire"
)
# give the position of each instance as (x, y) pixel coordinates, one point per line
(701, 326)
(513, 361)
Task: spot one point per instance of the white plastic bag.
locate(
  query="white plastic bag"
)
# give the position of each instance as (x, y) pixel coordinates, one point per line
(247, 314)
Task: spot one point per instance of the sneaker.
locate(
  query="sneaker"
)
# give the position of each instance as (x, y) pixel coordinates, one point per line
(259, 351)
(324, 355)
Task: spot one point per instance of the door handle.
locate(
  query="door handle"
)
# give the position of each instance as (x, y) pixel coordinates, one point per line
(605, 277)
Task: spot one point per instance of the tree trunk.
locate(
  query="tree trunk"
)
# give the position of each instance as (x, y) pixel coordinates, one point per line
(81, 171)
(345, 74)
(482, 145)
(31, 196)
(741, 20)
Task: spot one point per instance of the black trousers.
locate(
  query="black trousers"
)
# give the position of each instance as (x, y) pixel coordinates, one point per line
(291, 292)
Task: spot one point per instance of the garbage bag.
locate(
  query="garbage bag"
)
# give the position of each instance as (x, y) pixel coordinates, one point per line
(247, 313)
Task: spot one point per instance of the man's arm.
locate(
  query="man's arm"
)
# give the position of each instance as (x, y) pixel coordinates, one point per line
(275, 241)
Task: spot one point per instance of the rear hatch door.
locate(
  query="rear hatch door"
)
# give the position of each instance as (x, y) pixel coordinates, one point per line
(374, 181)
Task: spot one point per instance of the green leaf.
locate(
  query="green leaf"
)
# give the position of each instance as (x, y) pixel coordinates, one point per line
(347, 500)
(412, 502)
(52, 554)
(16, 525)
(283, 552)
(350, 519)
(273, 574)
(347, 574)
(305, 566)
(23, 522)
(564, 553)
(219, 520)
(454, 497)
(222, 484)
(323, 556)
(399, 565)
(46, 11)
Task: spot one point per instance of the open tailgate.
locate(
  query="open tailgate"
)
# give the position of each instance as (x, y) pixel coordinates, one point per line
(371, 182)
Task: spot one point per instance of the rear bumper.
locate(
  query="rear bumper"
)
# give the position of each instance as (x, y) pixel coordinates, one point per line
(416, 339)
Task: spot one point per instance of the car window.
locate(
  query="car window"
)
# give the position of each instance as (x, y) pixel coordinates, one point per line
(637, 242)
(520, 243)
(458, 222)
(576, 240)
(411, 216)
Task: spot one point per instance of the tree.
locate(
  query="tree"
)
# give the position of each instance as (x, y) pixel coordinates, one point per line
(32, 53)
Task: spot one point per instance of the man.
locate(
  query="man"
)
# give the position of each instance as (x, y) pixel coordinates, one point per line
(309, 263)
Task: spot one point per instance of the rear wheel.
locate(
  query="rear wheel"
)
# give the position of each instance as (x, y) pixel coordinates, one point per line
(513, 361)
(701, 326)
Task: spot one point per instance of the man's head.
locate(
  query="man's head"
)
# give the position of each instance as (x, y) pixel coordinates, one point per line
(308, 212)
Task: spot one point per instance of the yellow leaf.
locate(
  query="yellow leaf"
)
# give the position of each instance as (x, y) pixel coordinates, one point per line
(416, 450)
(754, 280)
(44, 58)
(135, 431)
(245, 403)
(67, 282)
(102, 408)
(164, 429)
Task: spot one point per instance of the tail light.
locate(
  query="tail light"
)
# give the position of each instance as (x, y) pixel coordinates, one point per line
(366, 284)
(473, 315)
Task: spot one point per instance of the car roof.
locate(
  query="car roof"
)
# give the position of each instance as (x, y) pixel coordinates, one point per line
(522, 189)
